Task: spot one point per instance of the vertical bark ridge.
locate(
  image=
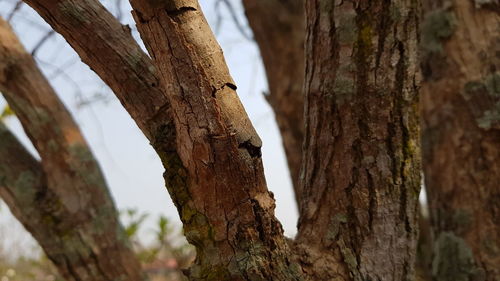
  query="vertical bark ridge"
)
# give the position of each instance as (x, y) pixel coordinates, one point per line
(279, 29)
(77, 223)
(360, 173)
(227, 211)
(461, 133)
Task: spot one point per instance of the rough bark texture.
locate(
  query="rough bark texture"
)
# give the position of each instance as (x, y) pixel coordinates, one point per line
(63, 201)
(361, 136)
(361, 169)
(279, 29)
(461, 136)
(227, 211)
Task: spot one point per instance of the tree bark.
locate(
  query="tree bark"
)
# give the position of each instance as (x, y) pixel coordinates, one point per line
(226, 209)
(63, 201)
(361, 168)
(280, 37)
(358, 220)
(107, 46)
(461, 136)
(109, 49)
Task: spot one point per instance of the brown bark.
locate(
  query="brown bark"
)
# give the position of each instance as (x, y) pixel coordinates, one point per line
(279, 29)
(227, 211)
(362, 113)
(110, 50)
(461, 136)
(64, 200)
(358, 214)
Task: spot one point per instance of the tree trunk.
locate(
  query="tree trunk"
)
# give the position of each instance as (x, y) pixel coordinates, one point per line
(361, 168)
(63, 201)
(461, 136)
(280, 37)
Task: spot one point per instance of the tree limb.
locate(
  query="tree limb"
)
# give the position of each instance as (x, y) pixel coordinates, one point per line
(108, 47)
(226, 208)
(63, 201)
(280, 37)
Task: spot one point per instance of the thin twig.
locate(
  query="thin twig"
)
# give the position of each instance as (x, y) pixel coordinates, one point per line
(59, 71)
(16, 8)
(118, 8)
(234, 17)
(218, 16)
(42, 41)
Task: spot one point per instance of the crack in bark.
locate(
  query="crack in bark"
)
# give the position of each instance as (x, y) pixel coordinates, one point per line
(180, 10)
(253, 151)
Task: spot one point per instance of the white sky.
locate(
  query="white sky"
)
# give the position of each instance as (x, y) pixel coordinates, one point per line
(132, 168)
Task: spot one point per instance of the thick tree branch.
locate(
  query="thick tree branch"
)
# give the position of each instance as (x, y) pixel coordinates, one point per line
(17, 163)
(77, 223)
(279, 29)
(226, 208)
(110, 50)
(106, 46)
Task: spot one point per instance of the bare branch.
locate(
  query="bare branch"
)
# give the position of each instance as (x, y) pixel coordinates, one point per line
(226, 208)
(108, 46)
(73, 196)
(14, 10)
(118, 9)
(232, 12)
(42, 41)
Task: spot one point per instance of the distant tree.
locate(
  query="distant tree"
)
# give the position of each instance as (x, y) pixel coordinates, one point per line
(280, 37)
(461, 136)
(61, 199)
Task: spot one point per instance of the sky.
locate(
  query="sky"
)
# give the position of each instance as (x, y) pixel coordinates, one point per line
(132, 168)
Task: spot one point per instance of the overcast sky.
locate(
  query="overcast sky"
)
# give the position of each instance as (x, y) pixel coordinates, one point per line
(132, 168)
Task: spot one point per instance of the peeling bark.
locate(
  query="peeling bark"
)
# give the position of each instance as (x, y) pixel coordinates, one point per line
(461, 136)
(361, 169)
(279, 29)
(63, 201)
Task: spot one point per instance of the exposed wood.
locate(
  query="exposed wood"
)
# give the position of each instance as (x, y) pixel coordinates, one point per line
(361, 169)
(63, 201)
(461, 136)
